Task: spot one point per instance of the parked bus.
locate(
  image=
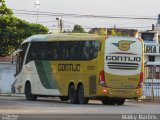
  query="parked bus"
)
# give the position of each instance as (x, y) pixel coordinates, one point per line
(77, 67)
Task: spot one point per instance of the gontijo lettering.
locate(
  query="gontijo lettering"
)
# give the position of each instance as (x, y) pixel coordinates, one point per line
(68, 67)
(123, 58)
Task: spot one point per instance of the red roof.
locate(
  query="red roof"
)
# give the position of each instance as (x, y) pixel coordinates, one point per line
(5, 59)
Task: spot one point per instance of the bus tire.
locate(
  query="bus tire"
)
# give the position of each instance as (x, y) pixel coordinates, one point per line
(64, 98)
(28, 93)
(72, 93)
(81, 98)
(108, 101)
(120, 101)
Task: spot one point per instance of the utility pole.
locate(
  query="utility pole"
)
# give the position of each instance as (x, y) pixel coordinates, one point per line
(60, 24)
(152, 27)
(37, 6)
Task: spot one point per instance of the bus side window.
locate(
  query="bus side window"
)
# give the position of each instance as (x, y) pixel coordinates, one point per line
(20, 58)
(19, 63)
(31, 53)
(94, 49)
(85, 50)
(74, 50)
(64, 51)
(90, 50)
(29, 56)
(55, 54)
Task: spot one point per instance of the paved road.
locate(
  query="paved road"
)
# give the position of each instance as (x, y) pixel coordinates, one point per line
(53, 106)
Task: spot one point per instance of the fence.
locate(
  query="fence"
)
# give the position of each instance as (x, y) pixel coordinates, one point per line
(151, 87)
(7, 71)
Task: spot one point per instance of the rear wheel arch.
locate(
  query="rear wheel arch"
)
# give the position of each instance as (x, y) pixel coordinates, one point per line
(28, 91)
(71, 83)
(81, 92)
(79, 84)
(72, 93)
(26, 83)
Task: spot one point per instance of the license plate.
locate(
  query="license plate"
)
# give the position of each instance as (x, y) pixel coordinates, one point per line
(121, 91)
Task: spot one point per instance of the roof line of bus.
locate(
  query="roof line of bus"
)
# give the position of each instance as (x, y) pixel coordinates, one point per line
(61, 37)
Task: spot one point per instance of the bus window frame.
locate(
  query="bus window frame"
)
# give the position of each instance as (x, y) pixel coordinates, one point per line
(59, 47)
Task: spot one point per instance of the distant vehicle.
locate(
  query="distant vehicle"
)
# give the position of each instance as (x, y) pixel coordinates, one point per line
(78, 67)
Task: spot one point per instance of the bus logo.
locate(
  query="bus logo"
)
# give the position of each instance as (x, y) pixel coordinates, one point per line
(123, 45)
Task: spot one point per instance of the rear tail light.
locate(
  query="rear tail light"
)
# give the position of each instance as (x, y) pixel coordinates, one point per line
(140, 81)
(102, 78)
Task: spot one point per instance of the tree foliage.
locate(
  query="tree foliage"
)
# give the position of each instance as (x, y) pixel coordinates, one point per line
(78, 29)
(98, 31)
(4, 10)
(14, 30)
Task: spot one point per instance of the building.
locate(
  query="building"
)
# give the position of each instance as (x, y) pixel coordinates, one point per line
(157, 27)
(151, 40)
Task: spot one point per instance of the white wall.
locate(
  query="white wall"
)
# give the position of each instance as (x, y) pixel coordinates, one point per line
(7, 71)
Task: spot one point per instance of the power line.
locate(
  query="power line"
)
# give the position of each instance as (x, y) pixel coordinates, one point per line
(51, 14)
(47, 22)
(86, 27)
(147, 26)
(27, 12)
(76, 24)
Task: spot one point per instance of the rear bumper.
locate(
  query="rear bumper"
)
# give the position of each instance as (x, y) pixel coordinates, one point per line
(121, 93)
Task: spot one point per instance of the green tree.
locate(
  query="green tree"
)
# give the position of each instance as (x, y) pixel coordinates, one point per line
(4, 10)
(78, 29)
(98, 31)
(113, 32)
(14, 30)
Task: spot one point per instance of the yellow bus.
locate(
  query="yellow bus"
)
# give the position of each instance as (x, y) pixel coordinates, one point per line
(78, 67)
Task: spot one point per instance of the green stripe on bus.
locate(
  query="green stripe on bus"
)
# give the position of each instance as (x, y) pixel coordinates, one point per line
(46, 75)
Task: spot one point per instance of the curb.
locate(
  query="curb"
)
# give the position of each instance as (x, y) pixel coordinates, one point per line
(13, 95)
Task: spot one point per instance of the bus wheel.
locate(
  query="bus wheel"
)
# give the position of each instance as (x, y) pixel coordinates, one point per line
(108, 101)
(120, 101)
(72, 93)
(81, 98)
(64, 98)
(28, 93)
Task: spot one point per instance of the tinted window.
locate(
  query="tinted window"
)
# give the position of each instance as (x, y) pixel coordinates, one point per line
(20, 57)
(148, 36)
(70, 50)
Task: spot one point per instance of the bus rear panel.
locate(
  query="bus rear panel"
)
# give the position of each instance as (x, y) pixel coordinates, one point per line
(123, 68)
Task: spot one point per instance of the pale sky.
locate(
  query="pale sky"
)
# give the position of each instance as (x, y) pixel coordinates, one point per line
(131, 8)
